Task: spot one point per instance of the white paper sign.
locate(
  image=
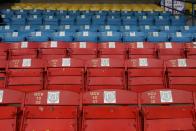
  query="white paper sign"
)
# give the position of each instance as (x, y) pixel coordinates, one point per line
(38, 33)
(132, 34)
(182, 63)
(155, 34)
(109, 33)
(47, 27)
(53, 44)
(140, 45)
(67, 27)
(15, 34)
(1, 96)
(61, 33)
(7, 27)
(166, 96)
(24, 44)
(66, 62)
(53, 97)
(105, 62)
(166, 27)
(86, 27)
(85, 33)
(27, 27)
(109, 97)
(26, 62)
(107, 27)
(168, 45)
(178, 34)
(127, 27)
(82, 45)
(143, 62)
(112, 45)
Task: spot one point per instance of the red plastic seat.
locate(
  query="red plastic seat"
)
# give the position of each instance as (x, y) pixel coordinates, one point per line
(3, 51)
(53, 50)
(3, 66)
(141, 50)
(51, 111)
(23, 50)
(182, 74)
(105, 73)
(10, 108)
(168, 110)
(105, 110)
(112, 50)
(191, 50)
(145, 74)
(25, 74)
(83, 50)
(170, 50)
(65, 74)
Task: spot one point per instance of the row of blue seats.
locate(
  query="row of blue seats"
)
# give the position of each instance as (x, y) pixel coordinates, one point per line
(93, 28)
(95, 20)
(74, 12)
(108, 36)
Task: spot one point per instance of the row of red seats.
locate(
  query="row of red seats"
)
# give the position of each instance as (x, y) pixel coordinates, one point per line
(102, 73)
(100, 110)
(86, 51)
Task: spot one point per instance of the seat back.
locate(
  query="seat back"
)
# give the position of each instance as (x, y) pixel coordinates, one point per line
(65, 74)
(110, 110)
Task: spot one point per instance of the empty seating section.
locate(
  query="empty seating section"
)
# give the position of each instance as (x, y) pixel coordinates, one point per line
(84, 67)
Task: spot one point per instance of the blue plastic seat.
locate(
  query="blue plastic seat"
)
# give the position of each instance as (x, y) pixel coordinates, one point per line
(162, 20)
(169, 29)
(27, 29)
(112, 20)
(101, 12)
(129, 20)
(6, 19)
(7, 12)
(34, 20)
(68, 28)
(188, 29)
(87, 13)
(108, 28)
(13, 37)
(48, 28)
(50, 20)
(38, 36)
(178, 20)
(148, 28)
(18, 20)
(157, 37)
(134, 36)
(91, 28)
(21, 12)
(139, 13)
(6, 29)
(128, 28)
(86, 36)
(146, 20)
(110, 36)
(35, 12)
(114, 13)
(152, 13)
(48, 12)
(62, 36)
(73, 13)
(61, 13)
(83, 20)
(98, 20)
(127, 13)
(165, 13)
(181, 37)
(67, 20)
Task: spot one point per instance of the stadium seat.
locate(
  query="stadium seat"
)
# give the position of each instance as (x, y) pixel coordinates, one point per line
(110, 110)
(181, 74)
(181, 37)
(25, 75)
(178, 20)
(27, 29)
(3, 67)
(129, 28)
(145, 74)
(65, 74)
(168, 29)
(18, 20)
(105, 73)
(86, 36)
(108, 28)
(67, 20)
(190, 50)
(34, 20)
(110, 36)
(83, 20)
(68, 28)
(13, 37)
(51, 110)
(112, 20)
(52, 50)
(168, 110)
(23, 50)
(162, 20)
(129, 20)
(112, 50)
(170, 50)
(91, 28)
(62, 36)
(141, 50)
(10, 113)
(3, 51)
(133, 36)
(38, 36)
(145, 20)
(147, 28)
(157, 37)
(98, 20)
(83, 50)
(188, 29)
(50, 20)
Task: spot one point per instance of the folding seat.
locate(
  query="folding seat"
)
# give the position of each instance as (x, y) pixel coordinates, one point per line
(108, 28)
(145, 20)
(35, 12)
(50, 20)
(165, 13)
(181, 37)
(142, 50)
(127, 13)
(101, 12)
(112, 20)
(68, 28)
(169, 29)
(91, 28)
(190, 50)
(5, 19)
(114, 13)
(13, 37)
(21, 12)
(83, 50)
(6, 29)
(181, 74)
(134, 36)
(65, 74)
(22, 50)
(52, 50)
(152, 13)
(148, 28)
(67, 20)
(60, 12)
(18, 20)
(162, 20)
(170, 50)
(98, 20)
(112, 50)
(7, 12)
(114, 109)
(87, 13)
(145, 74)
(139, 13)
(51, 110)
(25, 75)
(34, 20)
(86, 36)
(62, 36)
(27, 29)
(105, 73)
(38, 36)
(188, 29)
(129, 20)
(73, 12)
(110, 36)
(83, 20)
(157, 37)
(10, 108)
(128, 28)
(48, 28)
(3, 67)
(178, 20)
(48, 12)
(168, 110)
